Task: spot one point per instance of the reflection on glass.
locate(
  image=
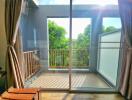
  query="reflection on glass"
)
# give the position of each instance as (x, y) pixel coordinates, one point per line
(105, 74)
(78, 2)
(95, 2)
(80, 42)
(111, 24)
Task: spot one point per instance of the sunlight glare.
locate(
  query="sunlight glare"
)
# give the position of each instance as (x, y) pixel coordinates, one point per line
(96, 2)
(79, 2)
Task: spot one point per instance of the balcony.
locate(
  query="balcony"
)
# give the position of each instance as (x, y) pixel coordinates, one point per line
(57, 76)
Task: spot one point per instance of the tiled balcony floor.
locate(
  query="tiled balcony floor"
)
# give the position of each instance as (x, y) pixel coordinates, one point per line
(61, 81)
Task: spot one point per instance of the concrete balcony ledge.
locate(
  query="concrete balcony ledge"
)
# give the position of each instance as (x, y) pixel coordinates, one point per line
(67, 70)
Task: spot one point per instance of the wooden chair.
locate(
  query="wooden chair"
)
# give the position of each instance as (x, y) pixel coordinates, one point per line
(13, 96)
(21, 94)
(23, 90)
(2, 98)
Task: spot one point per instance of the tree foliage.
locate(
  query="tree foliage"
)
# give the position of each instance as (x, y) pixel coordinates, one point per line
(57, 37)
(58, 40)
(109, 29)
(83, 39)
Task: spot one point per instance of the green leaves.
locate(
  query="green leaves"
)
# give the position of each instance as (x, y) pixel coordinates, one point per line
(109, 29)
(57, 39)
(83, 39)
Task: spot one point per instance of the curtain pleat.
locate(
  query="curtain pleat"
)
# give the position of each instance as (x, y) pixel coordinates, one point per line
(12, 17)
(125, 8)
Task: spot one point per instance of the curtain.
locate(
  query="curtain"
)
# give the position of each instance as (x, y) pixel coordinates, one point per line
(12, 17)
(125, 8)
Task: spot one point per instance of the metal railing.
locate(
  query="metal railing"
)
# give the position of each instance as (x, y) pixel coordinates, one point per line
(32, 63)
(59, 58)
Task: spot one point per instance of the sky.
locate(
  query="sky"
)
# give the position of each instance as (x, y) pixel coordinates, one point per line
(116, 22)
(79, 24)
(66, 2)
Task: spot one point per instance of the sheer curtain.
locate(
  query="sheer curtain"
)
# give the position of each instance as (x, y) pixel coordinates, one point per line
(12, 17)
(125, 7)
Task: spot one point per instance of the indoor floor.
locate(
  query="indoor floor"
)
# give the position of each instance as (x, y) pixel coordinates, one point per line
(78, 96)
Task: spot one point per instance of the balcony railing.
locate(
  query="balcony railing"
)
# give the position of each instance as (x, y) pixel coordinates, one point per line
(32, 63)
(59, 58)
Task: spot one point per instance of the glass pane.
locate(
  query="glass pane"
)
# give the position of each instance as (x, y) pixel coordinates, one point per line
(101, 45)
(80, 42)
(79, 2)
(54, 2)
(82, 77)
(95, 2)
(58, 43)
(49, 33)
(109, 49)
(111, 24)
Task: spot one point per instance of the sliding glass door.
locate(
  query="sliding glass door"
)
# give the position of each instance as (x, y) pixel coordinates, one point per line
(58, 69)
(81, 31)
(95, 48)
(81, 45)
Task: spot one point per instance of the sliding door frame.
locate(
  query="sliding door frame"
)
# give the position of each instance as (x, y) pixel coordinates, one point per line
(89, 89)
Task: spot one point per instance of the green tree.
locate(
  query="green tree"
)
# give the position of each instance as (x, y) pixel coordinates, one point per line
(109, 29)
(82, 44)
(83, 39)
(57, 39)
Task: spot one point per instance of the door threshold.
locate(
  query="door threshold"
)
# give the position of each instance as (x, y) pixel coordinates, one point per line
(87, 90)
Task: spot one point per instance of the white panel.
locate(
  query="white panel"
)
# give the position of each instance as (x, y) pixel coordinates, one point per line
(108, 60)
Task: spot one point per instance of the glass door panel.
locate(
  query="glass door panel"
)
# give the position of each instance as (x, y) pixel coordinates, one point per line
(58, 70)
(92, 64)
(52, 25)
(81, 30)
(83, 77)
(86, 58)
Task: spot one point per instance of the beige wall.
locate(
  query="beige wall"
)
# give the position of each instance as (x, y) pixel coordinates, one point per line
(3, 43)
